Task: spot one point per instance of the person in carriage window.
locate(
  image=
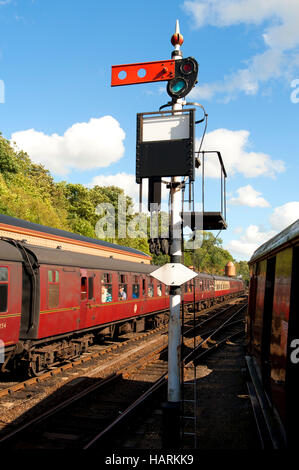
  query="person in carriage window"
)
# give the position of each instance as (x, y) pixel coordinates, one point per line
(122, 294)
(135, 294)
(106, 294)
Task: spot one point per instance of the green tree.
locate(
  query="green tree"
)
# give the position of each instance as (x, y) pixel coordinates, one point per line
(8, 163)
(210, 257)
(242, 269)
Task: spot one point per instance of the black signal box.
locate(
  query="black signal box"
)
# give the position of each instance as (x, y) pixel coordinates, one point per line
(165, 144)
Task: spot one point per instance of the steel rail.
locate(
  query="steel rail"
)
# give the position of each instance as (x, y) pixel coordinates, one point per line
(210, 318)
(123, 373)
(224, 340)
(73, 363)
(129, 411)
(64, 404)
(214, 332)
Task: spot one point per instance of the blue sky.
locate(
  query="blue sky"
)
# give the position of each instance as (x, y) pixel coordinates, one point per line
(56, 101)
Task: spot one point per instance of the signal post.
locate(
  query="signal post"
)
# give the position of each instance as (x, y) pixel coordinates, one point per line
(165, 148)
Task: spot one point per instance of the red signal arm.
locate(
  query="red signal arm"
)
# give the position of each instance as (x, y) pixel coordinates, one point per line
(150, 72)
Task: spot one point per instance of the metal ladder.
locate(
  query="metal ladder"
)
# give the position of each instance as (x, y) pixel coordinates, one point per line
(187, 419)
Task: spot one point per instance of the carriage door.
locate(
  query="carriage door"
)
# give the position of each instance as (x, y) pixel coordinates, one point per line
(143, 288)
(84, 297)
(267, 322)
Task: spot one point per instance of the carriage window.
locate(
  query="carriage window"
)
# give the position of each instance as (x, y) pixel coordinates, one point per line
(90, 288)
(150, 290)
(159, 290)
(3, 289)
(135, 288)
(53, 289)
(83, 288)
(122, 278)
(143, 287)
(166, 290)
(106, 278)
(106, 289)
(122, 291)
(122, 287)
(3, 274)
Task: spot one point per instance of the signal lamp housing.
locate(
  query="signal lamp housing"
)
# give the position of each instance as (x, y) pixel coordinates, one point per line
(185, 78)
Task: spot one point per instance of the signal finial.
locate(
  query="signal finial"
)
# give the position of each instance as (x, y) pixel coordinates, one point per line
(177, 40)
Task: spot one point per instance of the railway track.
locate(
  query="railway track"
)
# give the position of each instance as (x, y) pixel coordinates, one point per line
(72, 423)
(87, 418)
(99, 351)
(146, 432)
(215, 334)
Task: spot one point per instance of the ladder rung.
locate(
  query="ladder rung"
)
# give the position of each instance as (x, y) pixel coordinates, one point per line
(189, 417)
(189, 434)
(189, 401)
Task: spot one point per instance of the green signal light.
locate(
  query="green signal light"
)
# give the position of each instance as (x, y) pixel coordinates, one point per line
(178, 86)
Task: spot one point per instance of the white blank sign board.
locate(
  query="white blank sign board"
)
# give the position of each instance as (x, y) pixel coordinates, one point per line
(173, 274)
(158, 128)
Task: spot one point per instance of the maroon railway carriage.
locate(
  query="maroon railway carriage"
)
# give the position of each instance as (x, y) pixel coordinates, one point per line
(273, 327)
(211, 288)
(48, 295)
(54, 303)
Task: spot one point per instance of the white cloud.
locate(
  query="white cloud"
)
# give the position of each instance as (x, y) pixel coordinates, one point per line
(237, 159)
(248, 196)
(280, 36)
(284, 215)
(254, 236)
(84, 145)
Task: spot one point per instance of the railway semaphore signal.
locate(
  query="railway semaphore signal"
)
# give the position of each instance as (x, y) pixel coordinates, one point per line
(165, 148)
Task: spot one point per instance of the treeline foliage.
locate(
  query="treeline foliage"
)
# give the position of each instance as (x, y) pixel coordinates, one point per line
(28, 191)
(211, 258)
